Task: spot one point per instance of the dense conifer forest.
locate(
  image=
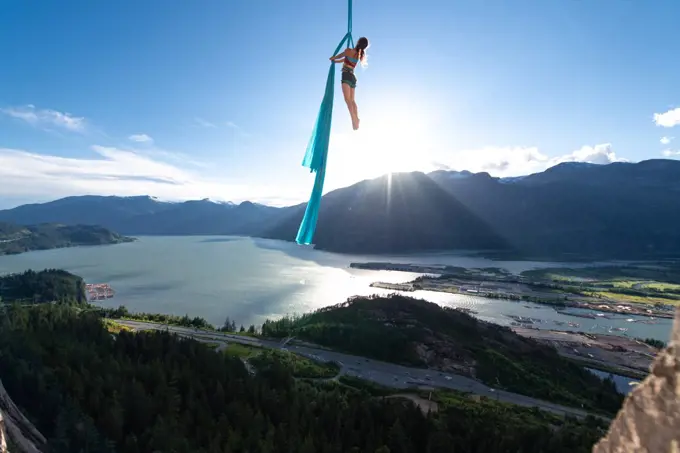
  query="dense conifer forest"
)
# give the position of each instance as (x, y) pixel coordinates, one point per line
(49, 285)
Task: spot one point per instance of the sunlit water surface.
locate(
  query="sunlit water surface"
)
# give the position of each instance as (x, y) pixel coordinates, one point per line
(250, 280)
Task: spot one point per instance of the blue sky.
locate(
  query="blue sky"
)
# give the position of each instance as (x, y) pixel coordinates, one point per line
(217, 98)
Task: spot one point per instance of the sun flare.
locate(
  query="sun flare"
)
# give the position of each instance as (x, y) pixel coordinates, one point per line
(395, 140)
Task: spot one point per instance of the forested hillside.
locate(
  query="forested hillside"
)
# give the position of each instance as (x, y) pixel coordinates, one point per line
(49, 285)
(16, 239)
(416, 332)
(87, 390)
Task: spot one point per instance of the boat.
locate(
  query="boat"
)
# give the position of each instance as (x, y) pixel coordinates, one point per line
(618, 329)
(578, 315)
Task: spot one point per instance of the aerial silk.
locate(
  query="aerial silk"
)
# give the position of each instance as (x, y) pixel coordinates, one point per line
(317, 149)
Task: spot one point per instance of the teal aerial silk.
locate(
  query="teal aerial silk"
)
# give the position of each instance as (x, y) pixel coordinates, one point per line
(317, 148)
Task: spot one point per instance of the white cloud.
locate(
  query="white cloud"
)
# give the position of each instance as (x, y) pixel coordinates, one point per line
(670, 153)
(124, 172)
(499, 161)
(665, 140)
(519, 160)
(598, 154)
(46, 117)
(232, 125)
(140, 138)
(668, 119)
(203, 123)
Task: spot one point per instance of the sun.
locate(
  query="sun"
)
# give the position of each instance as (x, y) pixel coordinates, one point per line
(395, 140)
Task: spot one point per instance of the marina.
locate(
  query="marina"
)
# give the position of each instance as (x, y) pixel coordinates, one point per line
(532, 323)
(99, 291)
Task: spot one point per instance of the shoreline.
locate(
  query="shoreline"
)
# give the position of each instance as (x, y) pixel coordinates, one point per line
(127, 240)
(494, 283)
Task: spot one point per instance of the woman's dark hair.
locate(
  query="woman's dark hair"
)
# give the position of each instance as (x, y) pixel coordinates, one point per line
(362, 45)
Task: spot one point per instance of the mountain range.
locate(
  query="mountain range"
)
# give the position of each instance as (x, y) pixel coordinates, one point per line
(619, 210)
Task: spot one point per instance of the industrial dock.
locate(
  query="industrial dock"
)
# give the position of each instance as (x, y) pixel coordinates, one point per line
(99, 291)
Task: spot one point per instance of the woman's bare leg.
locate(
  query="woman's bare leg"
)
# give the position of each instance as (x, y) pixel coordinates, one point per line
(355, 108)
(348, 92)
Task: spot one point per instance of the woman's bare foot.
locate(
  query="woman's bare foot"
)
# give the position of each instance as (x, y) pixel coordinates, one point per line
(355, 123)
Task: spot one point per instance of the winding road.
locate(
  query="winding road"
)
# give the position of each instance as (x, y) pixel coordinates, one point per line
(383, 373)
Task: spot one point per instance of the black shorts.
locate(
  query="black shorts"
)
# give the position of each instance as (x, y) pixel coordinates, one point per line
(349, 78)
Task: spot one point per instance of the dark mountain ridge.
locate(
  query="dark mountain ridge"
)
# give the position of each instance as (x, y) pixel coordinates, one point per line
(108, 211)
(619, 210)
(203, 217)
(146, 215)
(403, 212)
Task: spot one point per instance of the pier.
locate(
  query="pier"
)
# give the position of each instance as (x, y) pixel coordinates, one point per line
(394, 286)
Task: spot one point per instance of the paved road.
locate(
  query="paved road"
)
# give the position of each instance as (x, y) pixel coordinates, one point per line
(384, 373)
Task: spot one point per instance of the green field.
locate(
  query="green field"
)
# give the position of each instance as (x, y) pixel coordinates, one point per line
(623, 284)
(665, 273)
(461, 401)
(301, 367)
(114, 327)
(632, 298)
(660, 286)
(241, 351)
(367, 386)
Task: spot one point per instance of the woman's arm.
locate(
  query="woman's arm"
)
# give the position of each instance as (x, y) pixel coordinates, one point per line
(339, 57)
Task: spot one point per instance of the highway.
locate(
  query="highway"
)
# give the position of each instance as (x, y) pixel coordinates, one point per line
(383, 373)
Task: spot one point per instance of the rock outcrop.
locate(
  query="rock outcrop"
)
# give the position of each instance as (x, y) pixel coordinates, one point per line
(3, 435)
(16, 426)
(649, 421)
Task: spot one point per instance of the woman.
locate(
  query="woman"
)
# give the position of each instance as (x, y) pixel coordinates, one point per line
(349, 59)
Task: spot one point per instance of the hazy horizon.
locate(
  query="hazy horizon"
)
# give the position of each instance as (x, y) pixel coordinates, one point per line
(217, 201)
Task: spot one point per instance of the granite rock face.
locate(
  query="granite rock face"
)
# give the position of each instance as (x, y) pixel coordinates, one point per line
(14, 425)
(649, 421)
(3, 440)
